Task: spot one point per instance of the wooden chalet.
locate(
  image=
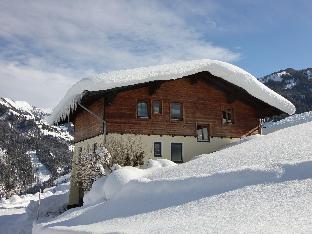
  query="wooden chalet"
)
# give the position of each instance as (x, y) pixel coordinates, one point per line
(175, 119)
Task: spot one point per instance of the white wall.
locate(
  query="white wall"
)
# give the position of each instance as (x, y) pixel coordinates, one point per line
(190, 146)
(190, 149)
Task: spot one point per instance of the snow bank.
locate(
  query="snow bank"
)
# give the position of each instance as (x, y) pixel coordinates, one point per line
(49, 206)
(226, 71)
(107, 187)
(269, 127)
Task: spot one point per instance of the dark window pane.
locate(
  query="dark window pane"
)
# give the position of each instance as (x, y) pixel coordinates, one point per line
(157, 149)
(227, 116)
(176, 111)
(142, 109)
(156, 107)
(176, 152)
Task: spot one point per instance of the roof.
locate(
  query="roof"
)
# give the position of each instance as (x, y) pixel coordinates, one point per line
(114, 79)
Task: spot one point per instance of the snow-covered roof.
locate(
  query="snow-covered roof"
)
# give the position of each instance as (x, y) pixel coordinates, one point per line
(226, 71)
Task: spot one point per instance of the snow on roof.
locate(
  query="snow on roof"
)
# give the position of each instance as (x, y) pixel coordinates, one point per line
(226, 71)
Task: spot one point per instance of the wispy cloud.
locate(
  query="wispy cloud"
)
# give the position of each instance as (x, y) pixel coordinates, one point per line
(54, 43)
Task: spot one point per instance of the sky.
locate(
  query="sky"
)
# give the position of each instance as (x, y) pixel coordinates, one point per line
(47, 46)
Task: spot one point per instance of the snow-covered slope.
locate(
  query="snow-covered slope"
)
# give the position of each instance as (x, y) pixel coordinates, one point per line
(261, 185)
(24, 110)
(226, 71)
(30, 144)
(18, 213)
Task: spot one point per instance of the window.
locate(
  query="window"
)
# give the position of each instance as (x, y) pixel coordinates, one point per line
(176, 111)
(176, 152)
(142, 109)
(202, 133)
(157, 107)
(157, 149)
(227, 116)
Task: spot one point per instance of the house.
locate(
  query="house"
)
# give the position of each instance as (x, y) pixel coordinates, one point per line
(176, 111)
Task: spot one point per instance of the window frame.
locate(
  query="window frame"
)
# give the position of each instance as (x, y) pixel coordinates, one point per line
(201, 127)
(227, 111)
(147, 109)
(174, 143)
(157, 155)
(160, 107)
(181, 111)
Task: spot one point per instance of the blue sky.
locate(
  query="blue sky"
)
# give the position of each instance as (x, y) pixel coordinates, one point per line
(46, 46)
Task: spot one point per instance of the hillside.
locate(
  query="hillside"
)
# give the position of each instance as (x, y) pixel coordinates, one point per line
(263, 184)
(294, 85)
(30, 150)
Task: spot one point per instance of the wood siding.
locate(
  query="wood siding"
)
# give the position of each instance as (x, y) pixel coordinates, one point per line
(202, 102)
(86, 125)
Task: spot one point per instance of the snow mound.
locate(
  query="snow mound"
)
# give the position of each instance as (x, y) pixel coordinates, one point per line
(107, 187)
(51, 205)
(226, 71)
(269, 127)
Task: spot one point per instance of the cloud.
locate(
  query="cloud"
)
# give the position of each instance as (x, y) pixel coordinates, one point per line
(58, 41)
(35, 86)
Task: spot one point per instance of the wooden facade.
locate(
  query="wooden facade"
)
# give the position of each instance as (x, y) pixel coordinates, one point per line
(203, 98)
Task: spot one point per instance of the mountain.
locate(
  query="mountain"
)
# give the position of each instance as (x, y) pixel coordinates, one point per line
(32, 153)
(295, 85)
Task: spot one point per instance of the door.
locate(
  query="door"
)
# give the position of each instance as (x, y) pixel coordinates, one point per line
(176, 152)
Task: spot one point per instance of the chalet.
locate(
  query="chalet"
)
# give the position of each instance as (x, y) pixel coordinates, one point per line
(177, 111)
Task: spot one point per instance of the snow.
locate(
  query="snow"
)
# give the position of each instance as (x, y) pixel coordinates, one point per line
(22, 106)
(106, 188)
(2, 155)
(58, 132)
(262, 185)
(62, 179)
(309, 73)
(114, 79)
(290, 84)
(276, 77)
(18, 213)
(41, 172)
(269, 127)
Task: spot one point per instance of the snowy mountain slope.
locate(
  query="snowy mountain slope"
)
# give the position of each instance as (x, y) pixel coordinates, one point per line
(23, 130)
(41, 173)
(295, 85)
(261, 185)
(25, 111)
